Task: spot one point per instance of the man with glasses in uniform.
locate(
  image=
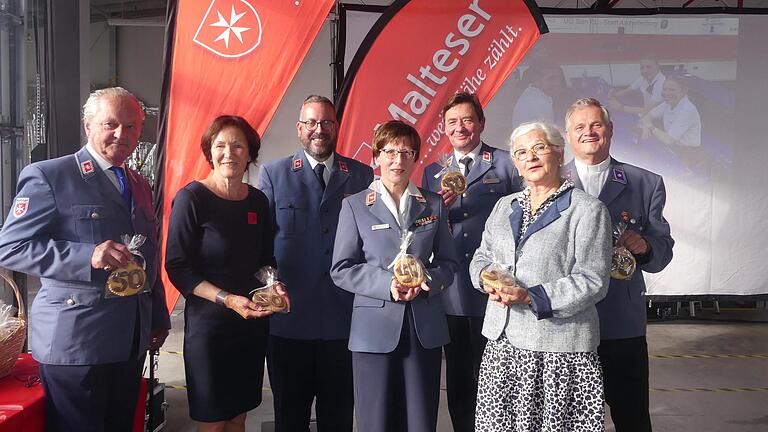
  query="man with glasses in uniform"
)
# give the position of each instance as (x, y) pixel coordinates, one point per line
(307, 354)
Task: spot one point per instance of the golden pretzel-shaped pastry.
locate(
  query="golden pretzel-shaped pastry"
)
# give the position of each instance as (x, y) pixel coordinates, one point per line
(623, 263)
(409, 272)
(497, 280)
(455, 181)
(270, 300)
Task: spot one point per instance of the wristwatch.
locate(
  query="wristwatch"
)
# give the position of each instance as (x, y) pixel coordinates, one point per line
(221, 297)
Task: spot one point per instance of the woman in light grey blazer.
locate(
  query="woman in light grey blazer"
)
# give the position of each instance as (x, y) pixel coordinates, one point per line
(540, 370)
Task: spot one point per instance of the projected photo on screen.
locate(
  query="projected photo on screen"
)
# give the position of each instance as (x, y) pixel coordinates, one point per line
(668, 82)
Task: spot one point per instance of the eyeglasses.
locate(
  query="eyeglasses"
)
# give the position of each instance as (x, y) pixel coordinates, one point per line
(392, 154)
(312, 124)
(538, 150)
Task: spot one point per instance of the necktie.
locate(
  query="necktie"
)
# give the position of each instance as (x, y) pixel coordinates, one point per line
(649, 89)
(125, 189)
(467, 162)
(319, 170)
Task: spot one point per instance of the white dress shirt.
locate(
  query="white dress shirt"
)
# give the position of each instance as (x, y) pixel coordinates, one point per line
(105, 166)
(652, 98)
(682, 122)
(472, 155)
(593, 177)
(405, 202)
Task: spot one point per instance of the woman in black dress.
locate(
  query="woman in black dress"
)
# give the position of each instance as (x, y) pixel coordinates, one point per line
(219, 235)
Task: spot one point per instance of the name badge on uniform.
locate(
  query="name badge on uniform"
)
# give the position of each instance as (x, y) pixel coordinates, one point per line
(492, 180)
(425, 221)
(379, 227)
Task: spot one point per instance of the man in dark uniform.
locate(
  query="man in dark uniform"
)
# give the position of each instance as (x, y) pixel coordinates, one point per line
(635, 197)
(308, 357)
(490, 175)
(65, 227)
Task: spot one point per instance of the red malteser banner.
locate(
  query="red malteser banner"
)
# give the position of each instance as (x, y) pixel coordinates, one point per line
(418, 54)
(229, 57)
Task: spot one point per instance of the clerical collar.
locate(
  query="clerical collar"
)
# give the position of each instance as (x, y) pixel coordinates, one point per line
(593, 169)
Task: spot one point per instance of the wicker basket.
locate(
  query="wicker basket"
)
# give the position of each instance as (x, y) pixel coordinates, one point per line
(10, 346)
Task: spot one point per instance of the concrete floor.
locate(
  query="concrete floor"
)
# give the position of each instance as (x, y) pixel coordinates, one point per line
(708, 374)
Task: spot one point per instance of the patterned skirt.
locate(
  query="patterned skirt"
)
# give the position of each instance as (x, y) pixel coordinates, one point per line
(535, 391)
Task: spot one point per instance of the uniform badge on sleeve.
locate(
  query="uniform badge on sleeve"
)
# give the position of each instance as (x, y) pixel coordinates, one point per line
(20, 207)
(343, 167)
(297, 164)
(86, 167)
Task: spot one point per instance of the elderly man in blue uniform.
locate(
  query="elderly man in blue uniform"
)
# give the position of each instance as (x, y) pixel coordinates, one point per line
(307, 356)
(636, 197)
(490, 175)
(65, 227)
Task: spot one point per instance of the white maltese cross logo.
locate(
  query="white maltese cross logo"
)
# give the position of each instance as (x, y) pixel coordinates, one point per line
(230, 28)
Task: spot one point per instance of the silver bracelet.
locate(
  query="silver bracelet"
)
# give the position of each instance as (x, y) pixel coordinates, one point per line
(221, 297)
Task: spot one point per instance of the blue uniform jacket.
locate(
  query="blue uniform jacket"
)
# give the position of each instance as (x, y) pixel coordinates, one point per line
(71, 207)
(492, 176)
(641, 195)
(367, 242)
(305, 221)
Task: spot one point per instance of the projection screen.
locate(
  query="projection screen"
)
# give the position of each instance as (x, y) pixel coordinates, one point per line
(708, 93)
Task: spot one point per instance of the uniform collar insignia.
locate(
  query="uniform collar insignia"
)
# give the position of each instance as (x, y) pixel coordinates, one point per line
(86, 167)
(343, 167)
(487, 156)
(297, 164)
(420, 198)
(619, 176)
(370, 199)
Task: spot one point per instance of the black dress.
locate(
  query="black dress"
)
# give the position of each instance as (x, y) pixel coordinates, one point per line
(223, 242)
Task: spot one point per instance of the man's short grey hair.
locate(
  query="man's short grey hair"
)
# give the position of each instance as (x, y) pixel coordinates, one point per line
(92, 104)
(584, 103)
(317, 99)
(553, 135)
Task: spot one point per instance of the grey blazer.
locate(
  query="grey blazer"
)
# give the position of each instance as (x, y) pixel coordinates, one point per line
(566, 253)
(71, 207)
(367, 241)
(641, 195)
(305, 218)
(492, 176)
